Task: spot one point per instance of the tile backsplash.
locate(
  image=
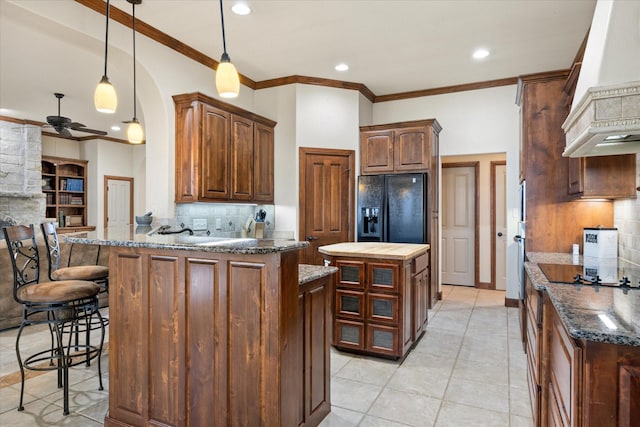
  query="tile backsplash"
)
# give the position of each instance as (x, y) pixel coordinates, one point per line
(223, 219)
(626, 217)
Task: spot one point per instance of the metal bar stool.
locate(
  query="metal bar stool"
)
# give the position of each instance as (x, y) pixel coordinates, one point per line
(66, 306)
(94, 273)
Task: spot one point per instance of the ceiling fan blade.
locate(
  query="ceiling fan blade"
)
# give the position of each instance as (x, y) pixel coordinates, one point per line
(64, 132)
(87, 130)
(76, 125)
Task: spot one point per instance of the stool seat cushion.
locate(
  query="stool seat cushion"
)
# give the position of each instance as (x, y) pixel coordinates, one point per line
(81, 272)
(57, 292)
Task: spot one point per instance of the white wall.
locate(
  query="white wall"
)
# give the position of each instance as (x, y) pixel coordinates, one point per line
(473, 122)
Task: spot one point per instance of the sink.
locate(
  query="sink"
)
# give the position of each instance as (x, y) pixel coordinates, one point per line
(226, 241)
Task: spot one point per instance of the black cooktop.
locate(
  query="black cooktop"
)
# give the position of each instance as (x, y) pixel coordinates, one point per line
(601, 272)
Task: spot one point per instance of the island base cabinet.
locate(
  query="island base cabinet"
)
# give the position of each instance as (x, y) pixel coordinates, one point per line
(201, 338)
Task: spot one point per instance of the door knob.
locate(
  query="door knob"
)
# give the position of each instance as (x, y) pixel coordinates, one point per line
(499, 233)
(310, 238)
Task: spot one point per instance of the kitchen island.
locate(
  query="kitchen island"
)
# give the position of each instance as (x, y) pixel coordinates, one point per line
(211, 331)
(583, 349)
(381, 296)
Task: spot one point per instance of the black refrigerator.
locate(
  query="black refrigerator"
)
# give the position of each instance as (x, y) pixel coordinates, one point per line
(393, 208)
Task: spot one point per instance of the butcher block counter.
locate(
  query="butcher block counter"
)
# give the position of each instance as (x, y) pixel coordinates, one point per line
(381, 296)
(216, 332)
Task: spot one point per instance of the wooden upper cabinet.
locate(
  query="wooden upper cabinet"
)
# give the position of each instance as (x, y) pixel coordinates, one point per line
(376, 152)
(263, 161)
(242, 158)
(398, 147)
(411, 151)
(602, 176)
(223, 153)
(214, 157)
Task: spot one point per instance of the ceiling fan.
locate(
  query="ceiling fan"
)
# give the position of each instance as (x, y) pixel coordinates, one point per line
(63, 124)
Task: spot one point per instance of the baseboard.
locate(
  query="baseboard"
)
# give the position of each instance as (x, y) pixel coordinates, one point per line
(512, 302)
(484, 285)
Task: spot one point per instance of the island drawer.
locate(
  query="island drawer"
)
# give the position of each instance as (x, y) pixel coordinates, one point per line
(382, 308)
(350, 304)
(349, 334)
(382, 339)
(382, 277)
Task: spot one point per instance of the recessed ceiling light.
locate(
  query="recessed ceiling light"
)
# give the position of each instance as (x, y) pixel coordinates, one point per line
(480, 53)
(341, 67)
(115, 128)
(241, 9)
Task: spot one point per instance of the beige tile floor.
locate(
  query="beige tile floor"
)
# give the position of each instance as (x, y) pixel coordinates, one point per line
(467, 370)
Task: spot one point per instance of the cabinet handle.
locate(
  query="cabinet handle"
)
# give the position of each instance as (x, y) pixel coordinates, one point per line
(499, 233)
(310, 238)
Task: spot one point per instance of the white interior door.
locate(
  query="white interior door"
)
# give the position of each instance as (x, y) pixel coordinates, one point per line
(458, 225)
(118, 202)
(501, 227)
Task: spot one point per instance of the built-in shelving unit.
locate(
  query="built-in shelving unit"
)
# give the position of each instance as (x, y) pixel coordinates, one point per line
(64, 182)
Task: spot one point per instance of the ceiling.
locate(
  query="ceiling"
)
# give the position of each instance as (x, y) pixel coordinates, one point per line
(391, 46)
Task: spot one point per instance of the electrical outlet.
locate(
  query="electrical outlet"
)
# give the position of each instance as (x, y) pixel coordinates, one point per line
(200, 224)
(218, 224)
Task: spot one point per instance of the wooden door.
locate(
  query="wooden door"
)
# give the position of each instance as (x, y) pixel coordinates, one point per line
(118, 201)
(214, 159)
(327, 187)
(458, 225)
(499, 225)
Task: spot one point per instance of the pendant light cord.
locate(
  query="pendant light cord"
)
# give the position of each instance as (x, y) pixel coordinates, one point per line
(134, 61)
(224, 40)
(106, 39)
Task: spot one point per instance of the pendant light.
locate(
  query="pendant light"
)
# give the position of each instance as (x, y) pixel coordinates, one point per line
(227, 79)
(105, 98)
(135, 134)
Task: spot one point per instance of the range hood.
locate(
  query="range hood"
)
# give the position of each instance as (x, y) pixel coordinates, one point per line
(605, 114)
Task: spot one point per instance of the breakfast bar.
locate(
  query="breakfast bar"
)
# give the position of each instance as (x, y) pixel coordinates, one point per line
(213, 331)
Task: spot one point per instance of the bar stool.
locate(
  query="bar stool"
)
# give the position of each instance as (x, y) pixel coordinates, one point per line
(66, 306)
(94, 273)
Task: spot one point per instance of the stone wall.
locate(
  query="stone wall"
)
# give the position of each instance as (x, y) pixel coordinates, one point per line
(21, 197)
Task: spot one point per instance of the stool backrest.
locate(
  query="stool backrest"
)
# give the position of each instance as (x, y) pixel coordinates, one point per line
(25, 260)
(53, 246)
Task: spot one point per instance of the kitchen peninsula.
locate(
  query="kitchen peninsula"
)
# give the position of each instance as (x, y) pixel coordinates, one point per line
(381, 296)
(583, 349)
(213, 331)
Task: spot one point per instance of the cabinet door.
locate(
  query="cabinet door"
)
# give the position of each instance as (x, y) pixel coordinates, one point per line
(263, 159)
(214, 158)
(376, 152)
(187, 149)
(382, 339)
(241, 158)
(382, 308)
(411, 150)
(383, 277)
(565, 372)
(349, 334)
(419, 304)
(576, 175)
(350, 274)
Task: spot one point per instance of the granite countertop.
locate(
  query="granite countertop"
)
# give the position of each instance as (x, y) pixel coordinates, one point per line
(400, 251)
(137, 237)
(584, 309)
(308, 273)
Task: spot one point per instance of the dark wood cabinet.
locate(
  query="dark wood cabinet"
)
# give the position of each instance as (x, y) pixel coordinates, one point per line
(564, 376)
(408, 147)
(611, 177)
(576, 382)
(223, 153)
(64, 184)
(315, 333)
(398, 147)
(380, 305)
(199, 333)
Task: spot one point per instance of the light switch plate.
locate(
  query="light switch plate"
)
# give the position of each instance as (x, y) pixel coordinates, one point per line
(200, 224)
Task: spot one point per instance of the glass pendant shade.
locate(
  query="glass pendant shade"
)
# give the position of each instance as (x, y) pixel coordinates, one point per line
(227, 80)
(105, 98)
(135, 134)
